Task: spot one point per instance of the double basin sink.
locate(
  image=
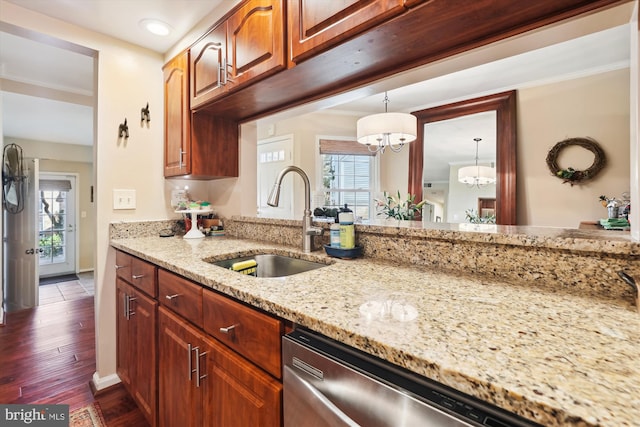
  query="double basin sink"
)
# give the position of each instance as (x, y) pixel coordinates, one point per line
(272, 265)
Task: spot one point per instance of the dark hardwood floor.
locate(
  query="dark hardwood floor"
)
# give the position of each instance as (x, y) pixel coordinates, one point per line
(47, 355)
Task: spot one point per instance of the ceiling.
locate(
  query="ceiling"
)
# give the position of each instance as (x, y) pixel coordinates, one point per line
(25, 77)
(121, 18)
(47, 85)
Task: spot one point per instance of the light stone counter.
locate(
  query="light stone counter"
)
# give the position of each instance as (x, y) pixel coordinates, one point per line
(552, 356)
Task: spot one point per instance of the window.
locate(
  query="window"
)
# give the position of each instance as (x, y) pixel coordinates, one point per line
(348, 176)
(52, 226)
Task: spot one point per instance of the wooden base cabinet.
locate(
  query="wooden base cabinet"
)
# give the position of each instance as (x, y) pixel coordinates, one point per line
(179, 397)
(136, 346)
(202, 382)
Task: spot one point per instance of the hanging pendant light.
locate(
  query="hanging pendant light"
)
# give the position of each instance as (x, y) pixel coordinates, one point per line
(392, 130)
(477, 175)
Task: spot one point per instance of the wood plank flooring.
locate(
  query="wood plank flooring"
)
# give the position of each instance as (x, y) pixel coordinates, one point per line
(47, 355)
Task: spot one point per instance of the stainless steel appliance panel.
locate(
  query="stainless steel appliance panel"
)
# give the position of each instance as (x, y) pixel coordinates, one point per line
(327, 384)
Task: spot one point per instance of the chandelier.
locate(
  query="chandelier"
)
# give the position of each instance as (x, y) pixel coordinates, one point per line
(392, 130)
(477, 175)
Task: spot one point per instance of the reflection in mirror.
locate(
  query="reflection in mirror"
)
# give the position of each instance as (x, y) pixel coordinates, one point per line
(449, 145)
(502, 106)
(572, 80)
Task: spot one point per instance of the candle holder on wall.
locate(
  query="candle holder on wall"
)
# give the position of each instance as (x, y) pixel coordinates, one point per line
(145, 115)
(123, 129)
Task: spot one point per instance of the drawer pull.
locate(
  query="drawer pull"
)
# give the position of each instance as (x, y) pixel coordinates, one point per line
(130, 311)
(228, 329)
(170, 297)
(118, 267)
(198, 376)
(189, 350)
(137, 276)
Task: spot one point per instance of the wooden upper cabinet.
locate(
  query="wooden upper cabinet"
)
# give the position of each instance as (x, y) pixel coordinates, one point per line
(255, 41)
(201, 146)
(248, 45)
(177, 124)
(208, 60)
(315, 26)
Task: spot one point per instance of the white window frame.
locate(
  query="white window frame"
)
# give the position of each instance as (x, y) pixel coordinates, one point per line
(374, 174)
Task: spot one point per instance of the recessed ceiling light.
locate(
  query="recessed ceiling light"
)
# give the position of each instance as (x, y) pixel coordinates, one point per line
(156, 27)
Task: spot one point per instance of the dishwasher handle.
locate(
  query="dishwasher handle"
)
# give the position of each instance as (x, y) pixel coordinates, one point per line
(304, 391)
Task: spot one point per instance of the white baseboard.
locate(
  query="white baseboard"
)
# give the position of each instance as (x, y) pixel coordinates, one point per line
(100, 383)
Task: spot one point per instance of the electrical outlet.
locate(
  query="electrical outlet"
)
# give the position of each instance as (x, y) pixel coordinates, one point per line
(124, 199)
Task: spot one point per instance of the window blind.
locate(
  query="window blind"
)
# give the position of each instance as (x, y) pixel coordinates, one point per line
(332, 146)
(55, 185)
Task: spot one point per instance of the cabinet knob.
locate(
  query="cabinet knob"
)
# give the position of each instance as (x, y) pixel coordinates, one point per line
(137, 276)
(170, 297)
(228, 329)
(118, 267)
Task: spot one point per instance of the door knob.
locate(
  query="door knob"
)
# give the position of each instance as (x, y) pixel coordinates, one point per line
(30, 251)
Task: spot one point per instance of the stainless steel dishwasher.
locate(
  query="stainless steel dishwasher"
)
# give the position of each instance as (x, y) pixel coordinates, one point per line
(329, 384)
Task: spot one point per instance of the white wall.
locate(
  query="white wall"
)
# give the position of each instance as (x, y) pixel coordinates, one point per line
(127, 78)
(595, 106)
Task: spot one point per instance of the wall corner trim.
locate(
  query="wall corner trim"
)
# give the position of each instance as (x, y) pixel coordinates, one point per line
(101, 383)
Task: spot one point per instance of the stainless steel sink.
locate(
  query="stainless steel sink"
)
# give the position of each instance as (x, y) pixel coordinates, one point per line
(271, 265)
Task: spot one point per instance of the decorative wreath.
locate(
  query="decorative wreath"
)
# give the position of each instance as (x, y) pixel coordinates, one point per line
(570, 174)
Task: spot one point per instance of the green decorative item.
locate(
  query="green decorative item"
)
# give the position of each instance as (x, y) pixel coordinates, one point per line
(569, 174)
(398, 208)
(473, 217)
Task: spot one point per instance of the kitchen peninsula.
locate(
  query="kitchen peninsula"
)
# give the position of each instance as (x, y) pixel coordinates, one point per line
(527, 341)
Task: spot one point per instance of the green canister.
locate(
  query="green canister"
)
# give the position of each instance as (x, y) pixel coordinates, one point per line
(347, 230)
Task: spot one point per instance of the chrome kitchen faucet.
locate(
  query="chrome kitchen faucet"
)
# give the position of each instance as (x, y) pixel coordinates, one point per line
(308, 231)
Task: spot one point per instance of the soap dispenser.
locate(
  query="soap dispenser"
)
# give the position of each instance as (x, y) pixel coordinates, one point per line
(347, 229)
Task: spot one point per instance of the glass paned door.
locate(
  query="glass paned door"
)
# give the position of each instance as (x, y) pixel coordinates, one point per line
(56, 225)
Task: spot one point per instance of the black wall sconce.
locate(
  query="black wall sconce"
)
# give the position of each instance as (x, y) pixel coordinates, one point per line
(145, 115)
(123, 129)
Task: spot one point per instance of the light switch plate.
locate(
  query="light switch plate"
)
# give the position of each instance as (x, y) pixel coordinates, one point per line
(124, 199)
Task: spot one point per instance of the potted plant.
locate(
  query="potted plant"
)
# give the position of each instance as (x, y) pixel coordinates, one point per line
(398, 208)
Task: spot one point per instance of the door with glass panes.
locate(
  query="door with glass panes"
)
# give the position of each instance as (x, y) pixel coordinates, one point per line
(57, 224)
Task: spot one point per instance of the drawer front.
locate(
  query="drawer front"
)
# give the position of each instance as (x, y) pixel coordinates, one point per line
(123, 265)
(143, 276)
(180, 295)
(254, 335)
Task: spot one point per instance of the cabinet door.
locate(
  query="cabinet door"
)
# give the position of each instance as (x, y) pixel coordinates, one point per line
(179, 401)
(124, 350)
(255, 40)
(208, 59)
(143, 315)
(237, 393)
(315, 26)
(177, 112)
(136, 347)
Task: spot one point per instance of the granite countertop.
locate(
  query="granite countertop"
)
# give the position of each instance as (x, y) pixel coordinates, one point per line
(550, 356)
